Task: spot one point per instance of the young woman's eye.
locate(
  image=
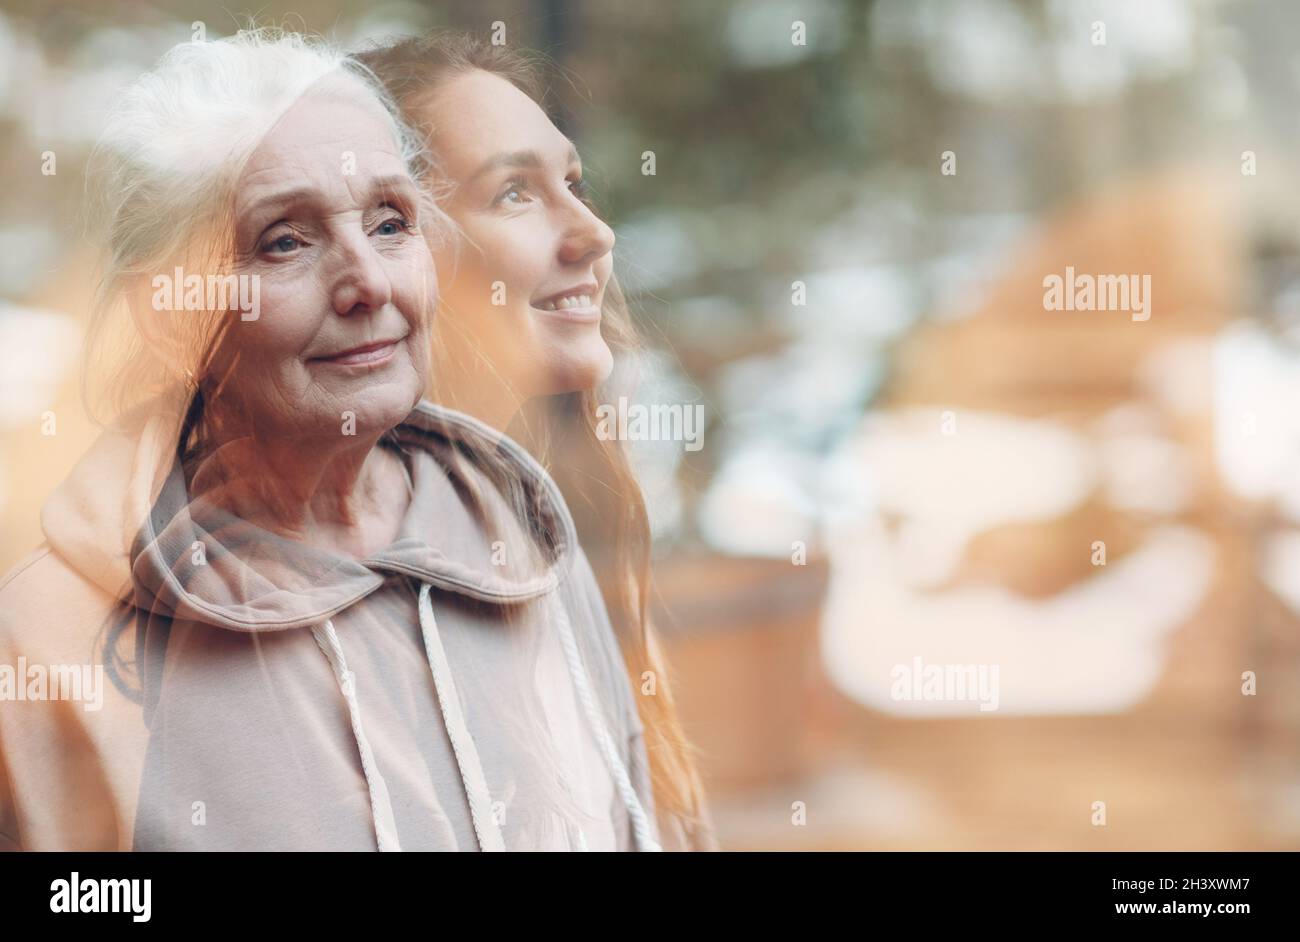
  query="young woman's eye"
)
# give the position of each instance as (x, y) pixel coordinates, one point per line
(514, 193)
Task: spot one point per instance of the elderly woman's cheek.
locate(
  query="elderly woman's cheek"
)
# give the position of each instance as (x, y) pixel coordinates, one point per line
(418, 288)
(291, 317)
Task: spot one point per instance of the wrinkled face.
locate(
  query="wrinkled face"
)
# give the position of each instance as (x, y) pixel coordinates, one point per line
(525, 283)
(325, 219)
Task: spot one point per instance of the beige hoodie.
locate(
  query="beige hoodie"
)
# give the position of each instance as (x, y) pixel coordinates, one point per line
(173, 677)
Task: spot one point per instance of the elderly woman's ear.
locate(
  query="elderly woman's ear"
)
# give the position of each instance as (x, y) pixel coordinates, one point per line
(160, 328)
(178, 310)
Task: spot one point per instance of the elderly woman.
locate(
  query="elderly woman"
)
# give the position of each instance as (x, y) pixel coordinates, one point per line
(326, 613)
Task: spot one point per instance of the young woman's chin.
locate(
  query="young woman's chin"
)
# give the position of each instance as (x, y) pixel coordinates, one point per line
(583, 365)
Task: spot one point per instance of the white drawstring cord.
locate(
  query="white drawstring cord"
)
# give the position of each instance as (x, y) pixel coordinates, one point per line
(471, 771)
(381, 808)
(485, 827)
(645, 838)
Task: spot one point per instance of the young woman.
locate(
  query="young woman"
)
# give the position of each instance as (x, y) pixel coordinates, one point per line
(529, 324)
(285, 603)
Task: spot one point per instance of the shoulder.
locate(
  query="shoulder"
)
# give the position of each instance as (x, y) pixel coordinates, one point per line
(602, 648)
(45, 602)
(24, 564)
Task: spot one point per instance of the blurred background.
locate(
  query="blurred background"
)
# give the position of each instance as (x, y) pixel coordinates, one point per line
(909, 461)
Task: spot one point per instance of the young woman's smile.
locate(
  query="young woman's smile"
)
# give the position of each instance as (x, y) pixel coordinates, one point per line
(579, 304)
(523, 288)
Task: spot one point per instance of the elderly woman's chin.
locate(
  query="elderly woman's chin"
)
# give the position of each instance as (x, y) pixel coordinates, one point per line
(370, 392)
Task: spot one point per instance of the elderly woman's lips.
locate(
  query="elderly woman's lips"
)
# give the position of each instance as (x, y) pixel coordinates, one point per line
(370, 353)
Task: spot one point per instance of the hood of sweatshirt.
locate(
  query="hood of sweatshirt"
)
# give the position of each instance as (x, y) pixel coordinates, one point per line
(484, 522)
(125, 520)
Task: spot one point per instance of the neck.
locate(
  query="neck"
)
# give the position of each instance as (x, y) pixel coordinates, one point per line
(469, 384)
(347, 497)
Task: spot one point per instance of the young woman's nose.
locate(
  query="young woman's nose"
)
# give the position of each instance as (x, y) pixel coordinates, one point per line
(587, 237)
(359, 277)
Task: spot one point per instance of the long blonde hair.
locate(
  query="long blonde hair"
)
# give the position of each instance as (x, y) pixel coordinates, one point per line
(596, 476)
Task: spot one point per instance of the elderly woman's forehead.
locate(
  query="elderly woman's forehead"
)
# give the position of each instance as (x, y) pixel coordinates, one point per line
(333, 111)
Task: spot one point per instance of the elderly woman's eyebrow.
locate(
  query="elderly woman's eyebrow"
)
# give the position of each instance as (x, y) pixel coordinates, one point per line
(522, 159)
(299, 194)
(400, 184)
(388, 185)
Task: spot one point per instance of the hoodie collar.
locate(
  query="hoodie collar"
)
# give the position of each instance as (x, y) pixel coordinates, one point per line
(485, 521)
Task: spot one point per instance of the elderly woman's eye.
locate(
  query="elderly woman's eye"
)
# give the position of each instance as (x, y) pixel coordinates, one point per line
(281, 244)
(393, 226)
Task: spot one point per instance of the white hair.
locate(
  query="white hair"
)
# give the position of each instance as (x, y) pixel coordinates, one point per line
(161, 179)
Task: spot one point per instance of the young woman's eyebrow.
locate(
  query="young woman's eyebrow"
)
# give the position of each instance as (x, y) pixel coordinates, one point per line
(522, 159)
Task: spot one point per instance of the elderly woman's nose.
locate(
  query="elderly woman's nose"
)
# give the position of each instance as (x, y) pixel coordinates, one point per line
(359, 277)
(587, 237)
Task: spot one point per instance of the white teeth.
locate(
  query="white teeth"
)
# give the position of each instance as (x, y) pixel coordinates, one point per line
(561, 304)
